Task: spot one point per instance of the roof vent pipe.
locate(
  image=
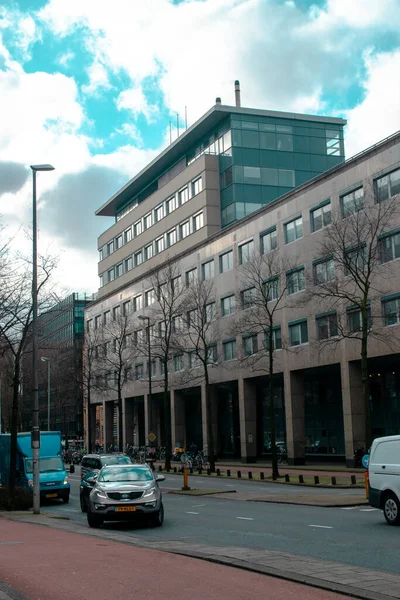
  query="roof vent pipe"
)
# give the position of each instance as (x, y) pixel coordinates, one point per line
(217, 100)
(237, 93)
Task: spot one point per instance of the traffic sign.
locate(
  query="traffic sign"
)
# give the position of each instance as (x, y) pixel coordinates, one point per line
(365, 461)
(152, 437)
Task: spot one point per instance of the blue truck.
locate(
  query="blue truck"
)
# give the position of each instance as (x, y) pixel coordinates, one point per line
(53, 476)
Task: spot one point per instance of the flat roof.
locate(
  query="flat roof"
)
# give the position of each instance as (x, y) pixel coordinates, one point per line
(186, 140)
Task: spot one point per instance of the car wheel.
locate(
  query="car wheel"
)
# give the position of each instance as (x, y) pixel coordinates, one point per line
(66, 499)
(94, 520)
(83, 504)
(157, 519)
(391, 509)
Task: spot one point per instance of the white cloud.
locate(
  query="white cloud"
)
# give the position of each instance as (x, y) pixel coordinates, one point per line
(66, 58)
(358, 14)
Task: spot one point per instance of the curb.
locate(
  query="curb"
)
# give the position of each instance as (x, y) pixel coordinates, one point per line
(230, 562)
(193, 492)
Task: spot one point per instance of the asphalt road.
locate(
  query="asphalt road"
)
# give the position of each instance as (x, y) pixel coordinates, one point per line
(355, 536)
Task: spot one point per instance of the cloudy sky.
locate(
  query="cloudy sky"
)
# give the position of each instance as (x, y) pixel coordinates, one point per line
(91, 85)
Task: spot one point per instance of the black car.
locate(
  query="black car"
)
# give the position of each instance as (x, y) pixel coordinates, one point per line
(92, 463)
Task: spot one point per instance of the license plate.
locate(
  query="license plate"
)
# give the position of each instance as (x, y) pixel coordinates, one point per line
(51, 495)
(125, 509)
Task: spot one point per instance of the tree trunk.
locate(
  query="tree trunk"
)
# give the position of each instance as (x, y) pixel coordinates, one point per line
(89, 440)
(167, 420)
(210, 432)
(14, 430)
(365, 378)
(275, 470)
(120, 422)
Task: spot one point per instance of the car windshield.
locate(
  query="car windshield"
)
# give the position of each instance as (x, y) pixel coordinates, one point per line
(125, 474)
(46, 465)
(116, 460)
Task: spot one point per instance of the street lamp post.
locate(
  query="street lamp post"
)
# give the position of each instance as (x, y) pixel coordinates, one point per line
(35, 387)
(147, 319)
(45, 359)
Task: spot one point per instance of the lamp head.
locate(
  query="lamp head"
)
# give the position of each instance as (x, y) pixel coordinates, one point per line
(42, 167)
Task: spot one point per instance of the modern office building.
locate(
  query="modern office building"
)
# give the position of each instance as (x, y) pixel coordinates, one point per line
(243, 181)
(60, 333)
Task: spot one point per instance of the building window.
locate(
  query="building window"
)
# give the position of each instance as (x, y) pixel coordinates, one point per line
(207, 270)
(171, 205)
(252, 175)
(118, 242)
(111, 274)
(110, 248)
(228, 306)
(116, 312)
(137, 303)
(295, 281)
(387, 186)
(138, 258)
(197, 186)
(353, 202)
(139, 371)
(321, 217)
(271, 289)
(148, 221)
(198, 221)
(137, 228)
(176, 284)
(324, 271)
(107, 317)
(184, 230)
(101, 280)
(159, 213)
(171, 238)
(179, 363)
(250, 345)
(212, 354)
(128, 235)
(210, 312)
(327, 326)
(192, 318)
(332, 143)
(248, 298)
(148, 252)
(177, 324)
(268, 241)
(138, 337)
(97, 321)
(226, 262)
(391, 311)
(298, 333)
(191, 276)
(276, 338)
(354, 261)
(293, 230)
(128, 264)
(150, 297)
(229, 349)
(101, 254)
(246, 252)
(89, 324)
(194, 360)
(389, 247)
(127, 308)
(354, 319)
(183, 196)
(284, 142)
(159, 244)
(119, 270)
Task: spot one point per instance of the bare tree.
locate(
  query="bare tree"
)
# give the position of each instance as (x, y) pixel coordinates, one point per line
(90, 372)
(264, 284)
(353, 276)
(16, 313)
(115, 356)
(199, 339)
(166, 310)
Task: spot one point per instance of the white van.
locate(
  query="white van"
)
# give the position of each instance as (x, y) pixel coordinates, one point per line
(384, 477)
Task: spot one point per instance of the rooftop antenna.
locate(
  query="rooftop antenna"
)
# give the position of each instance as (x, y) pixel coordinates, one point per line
(185, 117)
(237, 93)
(177, 122)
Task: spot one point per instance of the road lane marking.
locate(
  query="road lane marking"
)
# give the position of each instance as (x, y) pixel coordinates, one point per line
(228, 485)
(322, 526)
(348, 507)
(245, 518)
(368, 509)
(197, 505)
(188, 512)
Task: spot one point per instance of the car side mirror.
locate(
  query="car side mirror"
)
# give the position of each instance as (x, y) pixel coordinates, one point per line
(160, 478)
(91, 480)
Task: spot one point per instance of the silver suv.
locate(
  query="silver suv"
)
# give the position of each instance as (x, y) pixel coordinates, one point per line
(124, 492)
(92, 463)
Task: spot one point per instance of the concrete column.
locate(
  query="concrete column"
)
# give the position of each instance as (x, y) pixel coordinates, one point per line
(214, 417)
(108, 418)
(177, 417)
(295, 421)
(128, 421)
(248, 420)
(353, 409)
(91, 423)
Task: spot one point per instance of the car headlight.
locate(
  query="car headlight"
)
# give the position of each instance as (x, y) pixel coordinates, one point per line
(66, 480)
(100, 494)
(30, 482)
(150, 492)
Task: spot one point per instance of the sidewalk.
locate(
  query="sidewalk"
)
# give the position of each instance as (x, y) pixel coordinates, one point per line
(67, 557)
(45, 564)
